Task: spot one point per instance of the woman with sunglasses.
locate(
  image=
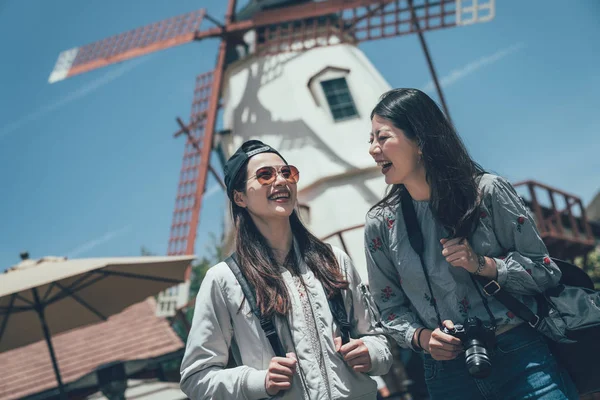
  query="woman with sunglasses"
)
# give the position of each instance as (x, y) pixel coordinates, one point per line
(473, 224)
(293, 274)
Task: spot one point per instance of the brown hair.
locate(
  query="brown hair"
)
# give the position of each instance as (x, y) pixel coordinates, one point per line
(258, 264)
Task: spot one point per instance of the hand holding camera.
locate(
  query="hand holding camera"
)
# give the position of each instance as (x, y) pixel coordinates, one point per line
(477, 339)
(442, 346)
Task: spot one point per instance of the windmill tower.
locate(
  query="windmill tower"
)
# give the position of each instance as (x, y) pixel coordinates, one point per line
(288, 72)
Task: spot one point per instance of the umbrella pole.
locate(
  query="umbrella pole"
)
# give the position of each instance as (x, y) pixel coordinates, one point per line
(39, 307)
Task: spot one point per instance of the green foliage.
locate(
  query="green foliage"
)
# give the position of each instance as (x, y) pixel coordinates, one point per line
(592, 266)
(144, 251)
(215, 254)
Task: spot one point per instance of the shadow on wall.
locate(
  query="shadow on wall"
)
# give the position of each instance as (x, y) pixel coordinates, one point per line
(295, 134)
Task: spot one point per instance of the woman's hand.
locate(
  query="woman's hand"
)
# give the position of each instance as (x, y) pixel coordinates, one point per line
(459, 253)
(355, 353)
(440, 345)
(280, 373)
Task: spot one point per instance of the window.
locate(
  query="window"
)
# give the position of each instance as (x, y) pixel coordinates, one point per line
(339, 99)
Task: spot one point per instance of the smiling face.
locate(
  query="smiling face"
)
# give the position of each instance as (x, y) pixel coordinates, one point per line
(398, 156)
(266, 202)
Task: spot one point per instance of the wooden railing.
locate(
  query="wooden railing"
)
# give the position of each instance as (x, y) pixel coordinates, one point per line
(565, 230)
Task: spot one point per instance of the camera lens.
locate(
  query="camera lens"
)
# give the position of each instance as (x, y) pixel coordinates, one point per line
(477, 359)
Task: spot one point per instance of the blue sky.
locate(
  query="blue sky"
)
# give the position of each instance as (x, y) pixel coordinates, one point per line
(89, 167)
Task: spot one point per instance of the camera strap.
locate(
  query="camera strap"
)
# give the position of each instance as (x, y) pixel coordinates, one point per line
(415, 237)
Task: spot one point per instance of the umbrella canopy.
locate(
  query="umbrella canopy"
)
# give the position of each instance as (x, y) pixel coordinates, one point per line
(78, 292)
(39, 298)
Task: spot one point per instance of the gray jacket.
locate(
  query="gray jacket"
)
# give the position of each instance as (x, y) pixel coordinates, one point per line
(217, 327)
(506, 232)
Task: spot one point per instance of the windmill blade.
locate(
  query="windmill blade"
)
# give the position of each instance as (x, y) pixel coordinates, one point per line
(192, 178)
(354, 21)
(147, 39)
(196, 157)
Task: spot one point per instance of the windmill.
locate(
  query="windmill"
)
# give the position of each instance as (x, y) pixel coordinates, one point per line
(288, 72)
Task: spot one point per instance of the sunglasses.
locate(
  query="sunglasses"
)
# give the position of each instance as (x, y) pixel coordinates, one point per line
(267, 175)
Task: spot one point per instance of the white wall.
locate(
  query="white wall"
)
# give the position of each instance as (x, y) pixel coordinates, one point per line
(268, 98)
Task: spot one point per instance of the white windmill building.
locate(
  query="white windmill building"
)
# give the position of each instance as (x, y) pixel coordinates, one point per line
(314, 107)
(289, 73)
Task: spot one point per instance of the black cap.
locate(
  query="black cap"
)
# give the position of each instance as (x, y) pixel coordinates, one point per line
(235, 163)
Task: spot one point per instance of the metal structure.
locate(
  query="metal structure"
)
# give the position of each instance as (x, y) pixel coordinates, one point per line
(561, 221)
(279, 26)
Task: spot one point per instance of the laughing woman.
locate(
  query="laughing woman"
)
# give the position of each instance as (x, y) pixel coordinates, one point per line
(294, 274)
(473, 223)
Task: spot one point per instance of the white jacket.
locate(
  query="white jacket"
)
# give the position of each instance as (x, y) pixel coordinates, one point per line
(217, 327)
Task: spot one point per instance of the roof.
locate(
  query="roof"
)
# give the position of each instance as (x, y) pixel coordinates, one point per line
(135, 333)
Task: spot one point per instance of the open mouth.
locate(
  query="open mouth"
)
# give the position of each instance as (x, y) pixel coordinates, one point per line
(280, 196)
(385, 165)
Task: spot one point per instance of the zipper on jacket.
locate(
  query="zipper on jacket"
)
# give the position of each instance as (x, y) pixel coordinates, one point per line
(305, 391)
(375, 318)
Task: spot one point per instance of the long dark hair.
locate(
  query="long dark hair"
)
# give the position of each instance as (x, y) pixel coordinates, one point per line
(450, 171)
(258, 263)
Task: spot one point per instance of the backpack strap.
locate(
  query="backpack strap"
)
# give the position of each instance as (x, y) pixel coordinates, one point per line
(338, 311)
(336, 306)
(265, 323)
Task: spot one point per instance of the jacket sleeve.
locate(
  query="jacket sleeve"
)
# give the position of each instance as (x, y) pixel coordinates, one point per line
(364, 320)
(526, 267)
(397, 314)
(203, 372)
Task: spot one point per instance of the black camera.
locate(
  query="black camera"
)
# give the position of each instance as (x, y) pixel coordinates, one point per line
(476, 337)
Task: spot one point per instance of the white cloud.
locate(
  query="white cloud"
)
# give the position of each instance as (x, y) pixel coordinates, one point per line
(84, 248)
(72, 96)
(457, 74)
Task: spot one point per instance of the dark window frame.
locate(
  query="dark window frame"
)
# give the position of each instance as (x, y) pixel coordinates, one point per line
(339, 99)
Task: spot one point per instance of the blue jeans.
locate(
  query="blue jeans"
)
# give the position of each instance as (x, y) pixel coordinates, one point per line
(522, 368)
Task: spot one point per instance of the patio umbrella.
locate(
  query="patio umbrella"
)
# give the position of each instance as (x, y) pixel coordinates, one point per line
(58, 294)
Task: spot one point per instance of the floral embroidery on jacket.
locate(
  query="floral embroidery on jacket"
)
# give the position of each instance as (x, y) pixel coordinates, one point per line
(386, 293)
(390, 222)
(510, 316)
(429, 299)
(375, 244)
(547, 260)
(464, 306)
(520, 222)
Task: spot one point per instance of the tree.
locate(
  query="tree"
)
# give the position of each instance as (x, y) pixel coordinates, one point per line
(592, 266)
(144, 251)
(215, 254)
